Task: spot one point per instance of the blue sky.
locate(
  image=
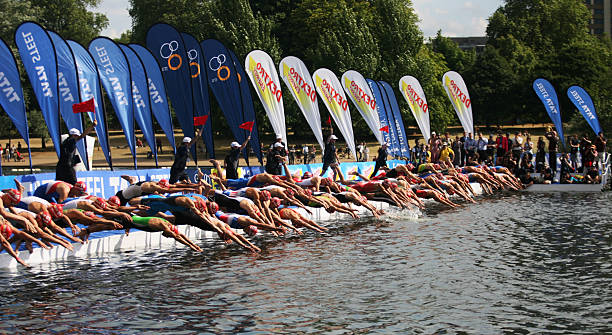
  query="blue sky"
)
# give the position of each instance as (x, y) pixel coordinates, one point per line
(454, 17)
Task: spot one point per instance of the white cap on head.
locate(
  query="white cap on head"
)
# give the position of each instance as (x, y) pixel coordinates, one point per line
(278, 145)
(235, 145)
(74, 131)
(333, 137)
(386, 144)
(279, 137)
(186, 139)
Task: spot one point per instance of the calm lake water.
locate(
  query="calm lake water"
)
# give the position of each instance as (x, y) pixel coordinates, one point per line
(514, 263)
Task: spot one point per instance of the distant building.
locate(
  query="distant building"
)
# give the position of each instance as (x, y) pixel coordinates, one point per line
(475, 42)
(601, 23)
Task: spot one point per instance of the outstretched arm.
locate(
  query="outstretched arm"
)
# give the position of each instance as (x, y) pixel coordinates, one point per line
(88, 130)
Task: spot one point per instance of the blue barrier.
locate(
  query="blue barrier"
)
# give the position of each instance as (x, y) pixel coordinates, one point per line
(108, 183)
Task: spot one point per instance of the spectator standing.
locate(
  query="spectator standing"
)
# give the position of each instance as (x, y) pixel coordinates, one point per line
(158, 144)
(292, 155)
(64, 169)
(177, 171)
(463, 151)
(330, 156)
(366, 152)
(600, 144)
(517, 145)
(553, 144)
(501, 145)
(434, 145)
(541, 155)
(585, 145)
(470, 146)
(274, 159)
(481, 145)
(360, 152)
(574, 147)
(232, 158)
(305, 153)
(381, 159)
(457, 150)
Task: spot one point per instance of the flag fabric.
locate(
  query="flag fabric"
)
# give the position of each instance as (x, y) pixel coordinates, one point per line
(200, 120)
(248, 110)
(68, 89)
(415, 97)
(382, 115)
(261, 70)
(199, 86)
(157, 92)
(114, 71)
(38, 58)
(140, 98)
(297, 78)
(385, 129)
(84, 107)
(331, 92)
(583, 102)
(90, 88)
(12, 98)
(359, 92)
(547, 94)
(397, 118)
(167, 46)
(460, 99)
(247, 125)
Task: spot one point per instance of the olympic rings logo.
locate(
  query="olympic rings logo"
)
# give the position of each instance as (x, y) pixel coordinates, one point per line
(172, 47)
(193, 54)
(218, 66)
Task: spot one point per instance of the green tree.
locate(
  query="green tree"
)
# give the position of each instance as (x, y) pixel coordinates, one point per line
(456, 59)
(72, 19)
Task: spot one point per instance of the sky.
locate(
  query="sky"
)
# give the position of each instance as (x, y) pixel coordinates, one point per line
(453, 17)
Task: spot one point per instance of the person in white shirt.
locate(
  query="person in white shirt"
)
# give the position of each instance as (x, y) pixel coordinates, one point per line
(305, 153)
(481, 144)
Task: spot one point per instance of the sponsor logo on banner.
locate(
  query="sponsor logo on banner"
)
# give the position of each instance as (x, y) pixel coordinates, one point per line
(217, 64)
(298, 85)
(457, 93)
(167, 51)
(414, 99)
(358, 90)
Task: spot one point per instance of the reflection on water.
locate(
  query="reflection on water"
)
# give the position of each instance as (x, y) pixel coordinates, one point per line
(515, 263)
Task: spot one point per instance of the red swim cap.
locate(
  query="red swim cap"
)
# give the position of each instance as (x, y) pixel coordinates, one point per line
(307, 175)
(81, 186)
(174, 229)
(114, 200)
(265, 194)
(6, 231)
(163, 183)
(56, 210)
(100, 203)
(90, 214)
(251, 230)
(213, 207)
(290, 192)
(43, 219)
(275, 202)
(13, 195)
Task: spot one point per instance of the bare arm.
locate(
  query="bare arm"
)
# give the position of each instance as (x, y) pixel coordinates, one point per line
(88, 130)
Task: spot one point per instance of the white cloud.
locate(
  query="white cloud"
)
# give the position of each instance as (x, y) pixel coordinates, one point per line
(453, 17)
(118, 17)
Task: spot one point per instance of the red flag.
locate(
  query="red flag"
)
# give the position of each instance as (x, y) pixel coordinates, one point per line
(200, 120)
(85, 106)
(385, 129)
(247, 125)
(329, 120)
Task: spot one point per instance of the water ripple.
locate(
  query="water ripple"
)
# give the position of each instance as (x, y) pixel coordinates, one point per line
(512, 263)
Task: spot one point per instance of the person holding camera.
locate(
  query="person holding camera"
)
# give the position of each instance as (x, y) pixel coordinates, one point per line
(64, 170)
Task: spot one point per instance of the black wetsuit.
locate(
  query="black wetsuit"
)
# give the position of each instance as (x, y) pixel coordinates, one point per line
(329, 156)
(232, 205)
(64, 170)
(231, 164)
(180, 162)
(381, 160)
